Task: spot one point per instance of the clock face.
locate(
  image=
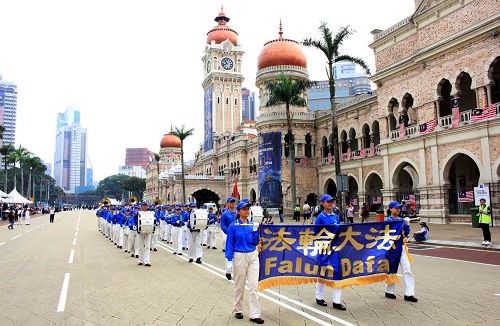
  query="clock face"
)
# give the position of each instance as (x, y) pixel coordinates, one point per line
(227, 63)
(209, 65)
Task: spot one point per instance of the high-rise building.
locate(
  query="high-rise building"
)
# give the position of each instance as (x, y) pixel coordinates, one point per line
(138, 157)
(8, 108)
(70, 160)
(48, 168)
(133, 171)
(247, 104)
(348, 84)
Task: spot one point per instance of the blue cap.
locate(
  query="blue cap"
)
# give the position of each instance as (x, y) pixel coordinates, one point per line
(243, 203)
(230, 198)
(395, 204)
(192, 204)
(143, 203)
(177, 207)
(327, 197)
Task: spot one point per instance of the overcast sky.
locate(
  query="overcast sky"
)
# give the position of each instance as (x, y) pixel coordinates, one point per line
(133, 68)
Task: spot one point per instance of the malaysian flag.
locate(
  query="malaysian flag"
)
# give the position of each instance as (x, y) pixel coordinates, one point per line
(372, 148)
(455, 113)
(362, 153)
(402, 127)
(348, 153)
(484, 113)
(427, 127)
(329, 157)
(465, 196)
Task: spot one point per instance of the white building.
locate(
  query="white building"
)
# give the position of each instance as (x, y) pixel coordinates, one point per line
(8, 108)
(70, 160)
(132, 171)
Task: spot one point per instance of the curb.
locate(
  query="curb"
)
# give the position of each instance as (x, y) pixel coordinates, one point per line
(457, 244)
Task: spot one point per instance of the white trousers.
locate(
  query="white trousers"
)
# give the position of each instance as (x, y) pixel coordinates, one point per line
(408, 279)
(246, 268)
(320, 293)
(168, 232)
(212, 236)
(154, 239)
(120, 235)
(133, 243)
(204, 237)
(27, 219)
(162, 230)
(108, 229)
(144, 246)
(125, 240)
(175, 239)
(116, 233)
(224, 238)
(184, 237)
(195, 250)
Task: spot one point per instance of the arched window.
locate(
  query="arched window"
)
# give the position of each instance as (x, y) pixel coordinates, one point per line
(308, 146)
(376, 132)
(494, 77)
(353, 141)
(250, 166)
(444, 97)
(287, 144)
(330, 145)
(408, 111)
(324, 147)
(467, 96)
(393, 112)
(343, 141)
(366, 136)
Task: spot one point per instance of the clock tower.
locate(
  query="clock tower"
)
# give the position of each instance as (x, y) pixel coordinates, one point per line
(222, 81)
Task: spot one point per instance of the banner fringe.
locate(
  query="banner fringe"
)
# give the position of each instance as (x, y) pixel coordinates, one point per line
(298, 280)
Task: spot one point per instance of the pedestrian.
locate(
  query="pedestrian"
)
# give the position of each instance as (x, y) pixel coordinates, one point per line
(422, 234)
(243, 261)
(296, 213)
(52, 214)
(27, 216)
(12, 217)
(408, 279)
(227, 218)
(484, 215)
(328, 217)
(280, 211)
(364, 213)
(306, 212)
(350, 213)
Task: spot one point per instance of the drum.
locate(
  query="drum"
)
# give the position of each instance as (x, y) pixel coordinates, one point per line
(256, 214)
(198, 220)
(146, 222)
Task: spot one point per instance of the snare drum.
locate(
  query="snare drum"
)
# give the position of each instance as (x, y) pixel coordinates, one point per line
(198, 219)
(146, 222)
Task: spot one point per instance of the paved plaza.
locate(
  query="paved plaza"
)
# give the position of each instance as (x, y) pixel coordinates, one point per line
(106, 287)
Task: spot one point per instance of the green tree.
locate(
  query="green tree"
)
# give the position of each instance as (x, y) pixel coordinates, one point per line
(329, 45)
(135, 185)
(20, 154)
(32, 165)
(182, 133)
(2, 130)
(288, 91)
(112, 186)
(5, 151)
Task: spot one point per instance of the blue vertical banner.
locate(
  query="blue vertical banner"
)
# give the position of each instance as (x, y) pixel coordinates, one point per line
(270, 169)
(208, 116)
(335, 255)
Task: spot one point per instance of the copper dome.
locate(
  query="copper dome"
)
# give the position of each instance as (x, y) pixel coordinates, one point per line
(281, 52)
(222, 32)
(170, 140)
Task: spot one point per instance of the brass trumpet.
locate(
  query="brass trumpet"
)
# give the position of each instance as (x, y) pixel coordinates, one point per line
(133, 200)
(157, 202)
(106, 201)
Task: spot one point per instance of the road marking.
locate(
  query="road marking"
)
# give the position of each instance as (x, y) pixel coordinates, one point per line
(76, 234)
(495, 294)
(302, 313)
(64, 294)
(17, 236)
(458, 260)
(1, 244)
(74, 241)
(71, 256)
(29, 230)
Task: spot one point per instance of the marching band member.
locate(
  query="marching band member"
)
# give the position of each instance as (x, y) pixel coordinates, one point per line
(212, 229)
(176, 226)
(161, 215)
(154, 236)
(124, 224)
(195, 250)
(119, 220)
(168, 225)
(184, 230)
(133, 239)
(144, 242)
(327, 217)
(109, 217)
(227, 218)
(408, 279)
(243, 260)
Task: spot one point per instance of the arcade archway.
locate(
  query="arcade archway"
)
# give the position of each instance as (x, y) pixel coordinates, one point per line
(203, 196)
(253, 196)
(373, 192)
(352, 194)
(462, 174)
(330, 188)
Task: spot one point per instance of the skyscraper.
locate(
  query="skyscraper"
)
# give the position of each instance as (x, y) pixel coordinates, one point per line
(8, 107)
(248, 104)
(70, 160)
(138, 157)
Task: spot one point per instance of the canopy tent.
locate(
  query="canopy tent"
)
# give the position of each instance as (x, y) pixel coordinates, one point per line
(5, 198)
(15, 198)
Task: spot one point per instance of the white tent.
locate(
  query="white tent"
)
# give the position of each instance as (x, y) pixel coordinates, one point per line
(16, 198)
(4, 198)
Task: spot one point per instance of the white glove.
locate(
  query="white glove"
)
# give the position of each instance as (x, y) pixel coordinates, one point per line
(135, 227)
(186, 223)
(229, 267)
(255, 226)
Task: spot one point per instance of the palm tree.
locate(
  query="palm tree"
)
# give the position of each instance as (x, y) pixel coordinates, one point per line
(157, 159)
(5, 151)
(182, 133)
(2, 130)
(329, 45)
(21, 154)
(288, 91)
(33, 163)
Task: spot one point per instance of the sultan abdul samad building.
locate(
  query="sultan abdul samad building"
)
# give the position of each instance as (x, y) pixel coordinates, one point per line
(419, 136)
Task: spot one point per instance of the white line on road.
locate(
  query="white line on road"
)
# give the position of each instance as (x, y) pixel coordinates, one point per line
(302, 313)
(76, 234)
(1, 244)
(74, 241)
(29, 230)
(71, 256)
(64, 294)
(17, 236)
(495, 294)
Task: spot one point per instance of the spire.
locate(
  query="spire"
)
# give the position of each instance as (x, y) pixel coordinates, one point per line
(222, 19)
(171, 127)
(280, 31)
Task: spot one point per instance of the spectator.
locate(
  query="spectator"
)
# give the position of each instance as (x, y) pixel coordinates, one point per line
(484, 215)
(280, 211)
(296, 213)
(350, 213)
(422, 234)
(306, 212)
(52, 213)
(364, 213)
(12, 217)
